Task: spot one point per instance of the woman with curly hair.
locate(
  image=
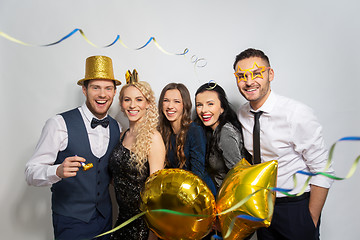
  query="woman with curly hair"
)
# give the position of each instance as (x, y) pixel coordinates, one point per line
(185, 141)
(140, 152)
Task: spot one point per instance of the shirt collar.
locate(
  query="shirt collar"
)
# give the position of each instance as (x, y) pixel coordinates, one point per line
(269, 104)
(88, 115)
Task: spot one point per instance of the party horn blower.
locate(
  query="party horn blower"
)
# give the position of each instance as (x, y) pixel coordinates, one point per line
(87, 166)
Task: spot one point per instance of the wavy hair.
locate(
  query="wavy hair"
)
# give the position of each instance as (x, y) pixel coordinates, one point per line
(165, 127)
(145, 129)
(229, 115)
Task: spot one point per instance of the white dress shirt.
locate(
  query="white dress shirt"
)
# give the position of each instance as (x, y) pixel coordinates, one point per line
(291, 134)
(40, 169)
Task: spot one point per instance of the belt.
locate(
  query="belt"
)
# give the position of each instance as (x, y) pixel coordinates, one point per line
(293, 199)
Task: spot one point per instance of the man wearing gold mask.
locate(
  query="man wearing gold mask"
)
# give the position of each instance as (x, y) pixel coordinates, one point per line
(279, 128)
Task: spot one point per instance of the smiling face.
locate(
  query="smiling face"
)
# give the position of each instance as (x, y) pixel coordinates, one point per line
(99, 96)
(208, 108)
(172, 107)
(134, 104)
(256, 90)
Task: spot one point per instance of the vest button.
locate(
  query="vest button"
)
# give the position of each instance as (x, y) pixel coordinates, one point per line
(99, 171)
(98, 182)
(98, 194)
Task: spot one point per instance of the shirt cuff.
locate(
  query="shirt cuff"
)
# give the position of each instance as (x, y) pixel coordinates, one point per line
(321, 181)
(51, 174)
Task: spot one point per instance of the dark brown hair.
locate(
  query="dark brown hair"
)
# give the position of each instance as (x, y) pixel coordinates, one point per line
(164, 124)
(251, 52)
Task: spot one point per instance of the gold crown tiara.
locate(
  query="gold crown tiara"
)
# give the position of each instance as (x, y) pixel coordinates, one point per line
(131, 78)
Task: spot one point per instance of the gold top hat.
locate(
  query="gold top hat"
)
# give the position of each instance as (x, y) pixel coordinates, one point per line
(131, 78)
(98, 68)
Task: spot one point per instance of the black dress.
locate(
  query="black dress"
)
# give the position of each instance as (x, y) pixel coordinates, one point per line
(128, 184)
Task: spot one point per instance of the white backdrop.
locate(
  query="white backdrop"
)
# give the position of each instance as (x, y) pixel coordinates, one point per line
(313, 47)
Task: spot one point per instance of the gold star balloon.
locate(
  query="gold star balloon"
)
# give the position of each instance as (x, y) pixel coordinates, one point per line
(181, 191)
(246, 185)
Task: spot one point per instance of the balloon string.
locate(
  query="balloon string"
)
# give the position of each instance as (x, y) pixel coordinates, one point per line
(148, 211)
(251, 218)
(179, 213)
(197, 215)
(270, 191)
(122, 225)
(152, 39)
(239, 204)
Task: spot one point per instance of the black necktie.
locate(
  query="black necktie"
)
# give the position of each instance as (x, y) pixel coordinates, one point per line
(256, 138)
(103, 122)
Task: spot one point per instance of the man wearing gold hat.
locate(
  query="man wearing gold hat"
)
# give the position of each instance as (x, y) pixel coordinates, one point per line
(72, 157)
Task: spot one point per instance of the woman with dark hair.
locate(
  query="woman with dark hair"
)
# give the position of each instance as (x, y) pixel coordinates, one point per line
(185, 141)
(223, 130)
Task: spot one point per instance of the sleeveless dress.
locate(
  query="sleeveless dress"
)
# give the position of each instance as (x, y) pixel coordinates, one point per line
(128, 184)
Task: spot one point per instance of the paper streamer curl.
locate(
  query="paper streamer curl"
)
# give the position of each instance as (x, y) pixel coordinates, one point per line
(211, 85)
(198, 62)
(117, 39)
(323, 173)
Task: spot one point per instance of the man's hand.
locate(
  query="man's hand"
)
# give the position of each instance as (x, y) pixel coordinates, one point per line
(69, 167)
(317, 200)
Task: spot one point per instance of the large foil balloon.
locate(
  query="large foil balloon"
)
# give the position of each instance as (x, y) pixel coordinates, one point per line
(241, 182)
(180, 191)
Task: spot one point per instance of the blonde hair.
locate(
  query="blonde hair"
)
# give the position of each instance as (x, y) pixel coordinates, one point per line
(145, 130)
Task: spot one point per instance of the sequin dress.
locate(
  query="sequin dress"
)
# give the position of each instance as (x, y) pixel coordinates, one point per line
(127, 183)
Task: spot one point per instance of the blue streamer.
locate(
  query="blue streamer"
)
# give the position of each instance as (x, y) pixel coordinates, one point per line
(62, 39)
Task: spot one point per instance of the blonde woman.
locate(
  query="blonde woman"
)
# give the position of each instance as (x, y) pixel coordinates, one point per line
(140, 152)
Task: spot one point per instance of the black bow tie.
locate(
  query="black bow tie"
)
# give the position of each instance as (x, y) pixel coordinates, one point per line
(104, 122)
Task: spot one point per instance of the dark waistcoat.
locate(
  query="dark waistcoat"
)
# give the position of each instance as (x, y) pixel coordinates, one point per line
(80, 196)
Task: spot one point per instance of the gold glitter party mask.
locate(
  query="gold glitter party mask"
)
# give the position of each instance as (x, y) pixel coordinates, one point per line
(255, 72)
